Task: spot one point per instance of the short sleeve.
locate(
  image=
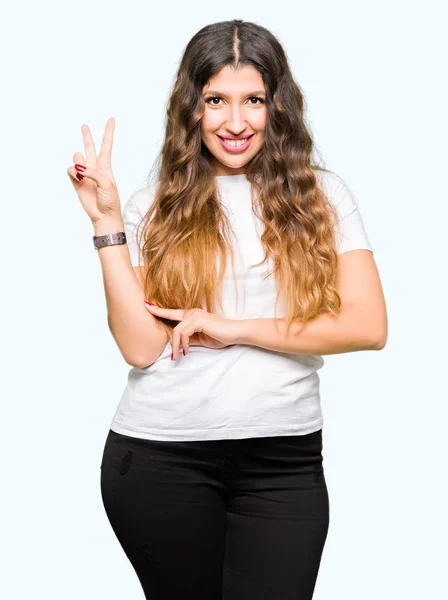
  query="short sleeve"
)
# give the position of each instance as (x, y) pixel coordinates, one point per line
(131, 220)
(350, 231)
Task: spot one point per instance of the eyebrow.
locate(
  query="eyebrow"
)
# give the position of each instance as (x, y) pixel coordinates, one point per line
(216, 93)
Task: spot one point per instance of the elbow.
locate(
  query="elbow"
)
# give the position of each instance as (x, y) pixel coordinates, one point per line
(140, 364)
(380, 345)
(135, 364)
(378, 332)
(151, 357)
(382, 330)
(146, 361)
(382, 339)
(380, 342)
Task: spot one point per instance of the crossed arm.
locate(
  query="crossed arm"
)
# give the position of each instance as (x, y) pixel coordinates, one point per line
(361, 324)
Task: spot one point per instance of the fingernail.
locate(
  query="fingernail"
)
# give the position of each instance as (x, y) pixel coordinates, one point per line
(79, 177)
(172, 355)
(184, 352)
(80, 167)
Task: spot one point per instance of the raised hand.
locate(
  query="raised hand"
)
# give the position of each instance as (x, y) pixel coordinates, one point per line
(96, 188)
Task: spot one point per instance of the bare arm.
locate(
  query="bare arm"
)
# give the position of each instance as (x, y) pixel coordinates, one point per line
(138, 334)
(348, 332)
(361, 324)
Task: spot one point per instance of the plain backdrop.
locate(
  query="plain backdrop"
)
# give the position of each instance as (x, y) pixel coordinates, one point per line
(374, 78)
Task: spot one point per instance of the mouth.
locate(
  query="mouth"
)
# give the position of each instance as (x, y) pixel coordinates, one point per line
(236, 146)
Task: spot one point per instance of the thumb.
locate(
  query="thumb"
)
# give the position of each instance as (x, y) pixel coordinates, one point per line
(101, 180)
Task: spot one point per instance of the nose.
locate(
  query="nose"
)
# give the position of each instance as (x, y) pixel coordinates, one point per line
(235, 124)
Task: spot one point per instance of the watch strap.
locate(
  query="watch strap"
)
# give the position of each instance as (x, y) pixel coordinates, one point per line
(109, 239)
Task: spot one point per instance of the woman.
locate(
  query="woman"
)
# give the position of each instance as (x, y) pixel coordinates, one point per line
(212, 473)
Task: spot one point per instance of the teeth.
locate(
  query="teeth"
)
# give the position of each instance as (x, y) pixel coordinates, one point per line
(235, 143)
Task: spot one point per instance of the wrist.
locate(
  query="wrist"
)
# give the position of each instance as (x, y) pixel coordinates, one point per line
(112, 224)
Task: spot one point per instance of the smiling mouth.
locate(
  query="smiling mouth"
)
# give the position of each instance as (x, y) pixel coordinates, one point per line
(240, 139)
(236, 145)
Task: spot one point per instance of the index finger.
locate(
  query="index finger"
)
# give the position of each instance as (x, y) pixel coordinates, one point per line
(174, 314)
(89, 146)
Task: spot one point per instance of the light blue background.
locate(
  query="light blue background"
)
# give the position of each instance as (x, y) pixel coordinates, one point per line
(375, 83)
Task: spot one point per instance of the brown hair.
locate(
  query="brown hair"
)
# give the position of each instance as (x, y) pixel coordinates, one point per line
(186, 231)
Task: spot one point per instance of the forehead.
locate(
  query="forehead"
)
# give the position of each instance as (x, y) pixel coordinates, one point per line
(235, 82)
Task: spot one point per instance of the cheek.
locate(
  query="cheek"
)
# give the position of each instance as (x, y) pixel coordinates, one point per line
(260, 120)
(209, 123)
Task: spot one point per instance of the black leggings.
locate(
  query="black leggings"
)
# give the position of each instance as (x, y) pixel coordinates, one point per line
(238, 519)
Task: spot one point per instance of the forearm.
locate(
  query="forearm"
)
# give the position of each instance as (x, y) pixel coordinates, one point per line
(138, 334)
(350, 331)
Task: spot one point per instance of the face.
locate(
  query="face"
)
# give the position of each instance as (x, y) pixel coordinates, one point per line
(235, 107)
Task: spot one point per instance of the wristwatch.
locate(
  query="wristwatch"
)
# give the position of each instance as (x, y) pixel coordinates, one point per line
(109, 239)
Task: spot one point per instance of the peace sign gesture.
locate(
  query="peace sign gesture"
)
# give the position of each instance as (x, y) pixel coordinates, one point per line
(92, 176)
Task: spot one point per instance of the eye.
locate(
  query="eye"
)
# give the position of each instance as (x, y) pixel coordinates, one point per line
(207, 101)
(257, 98)
(213, 98)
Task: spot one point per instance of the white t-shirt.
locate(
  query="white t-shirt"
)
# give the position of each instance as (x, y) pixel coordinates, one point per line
(240, 391)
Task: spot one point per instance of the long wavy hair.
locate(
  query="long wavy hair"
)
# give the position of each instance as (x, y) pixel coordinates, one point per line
(185, 236)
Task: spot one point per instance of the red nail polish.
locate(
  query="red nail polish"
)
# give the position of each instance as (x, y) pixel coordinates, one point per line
(79, 177)
(80, 167)
(184, 352)
(172, 357)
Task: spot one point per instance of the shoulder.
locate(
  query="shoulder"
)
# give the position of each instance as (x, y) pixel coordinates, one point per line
(338, 192)
(331, 183)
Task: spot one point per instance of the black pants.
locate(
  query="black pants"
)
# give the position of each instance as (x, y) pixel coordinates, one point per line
(219, 519)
